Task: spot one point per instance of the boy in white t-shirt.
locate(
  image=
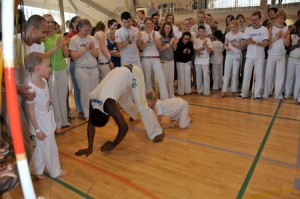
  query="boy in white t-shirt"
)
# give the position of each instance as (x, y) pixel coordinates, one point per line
(175, 108)
(41, 115)
(276, 62)
(203, 48)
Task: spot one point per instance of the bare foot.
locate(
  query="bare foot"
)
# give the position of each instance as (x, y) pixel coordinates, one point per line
(58, 130)
(159, 138)
(222, 95)
(63, 173)
(40, 177)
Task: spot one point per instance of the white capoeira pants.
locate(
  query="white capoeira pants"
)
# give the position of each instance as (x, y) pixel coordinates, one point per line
(88, 80)
(58, 87)
(232, 67)
(292, 64)
(202, 79)
(184, 77)
(277, 65)
(46, 155)
(153, 66)
(104, 69)
(168, 68)
(184, 118)
(217, 73)
(258, 64)
(136, 99)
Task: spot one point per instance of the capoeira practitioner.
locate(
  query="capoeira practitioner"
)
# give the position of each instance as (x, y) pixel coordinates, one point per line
(256, 38)
(175, 108)
(123, 85)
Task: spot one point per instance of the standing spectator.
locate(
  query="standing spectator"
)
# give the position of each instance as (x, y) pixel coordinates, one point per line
(201, 21)
(104, 58)
(148, 42)
(155, 18)
(271, 13)
(84, 50)
(256, 38)
(187, 28)
(57, 48)
(113, 48)
(41, 115)
(210, 21)
(276, 62)
(183, 57)
(141, 19)
(203, 48)
(217, 60)
(233, 47)
(167, 44)
(241, 23)
(152, 8)
(293, 67)
(72, 33)
(126, 39)
(170, 18)
(228, 19)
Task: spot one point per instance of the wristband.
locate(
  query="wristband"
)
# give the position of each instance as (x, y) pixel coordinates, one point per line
(109, 60)
(38, 130)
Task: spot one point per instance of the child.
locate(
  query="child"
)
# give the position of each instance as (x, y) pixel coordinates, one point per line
(41, 116)
(175, 108)
(233, 49)
(203, 48)
(217, 60)
(279, 39)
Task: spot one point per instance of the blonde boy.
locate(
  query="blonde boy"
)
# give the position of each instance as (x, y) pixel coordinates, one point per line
(175, 108)
(41, 115)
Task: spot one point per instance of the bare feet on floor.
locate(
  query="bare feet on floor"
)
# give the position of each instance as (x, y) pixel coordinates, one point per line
(159, 138)
(40, 177)
(63, 173)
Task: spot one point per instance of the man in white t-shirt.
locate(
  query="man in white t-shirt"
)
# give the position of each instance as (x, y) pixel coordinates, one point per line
(201, 21)
(123, 85)
(126, 39)
(256, 38)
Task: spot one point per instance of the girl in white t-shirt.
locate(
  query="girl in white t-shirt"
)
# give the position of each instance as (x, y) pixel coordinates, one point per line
(203, 48)
(83, 51)
(175, 108)
(41, 115)
(148, 42)
(233, 49)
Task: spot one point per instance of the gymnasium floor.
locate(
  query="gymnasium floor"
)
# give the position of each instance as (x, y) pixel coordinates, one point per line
(235, 148)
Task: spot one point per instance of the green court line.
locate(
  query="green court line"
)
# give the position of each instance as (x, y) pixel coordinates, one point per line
(69, 187)
(251, 113)
(258, 154)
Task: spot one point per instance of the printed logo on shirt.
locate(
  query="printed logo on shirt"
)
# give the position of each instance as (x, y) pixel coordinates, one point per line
(134, 83)
(82, 45)
(94, 100)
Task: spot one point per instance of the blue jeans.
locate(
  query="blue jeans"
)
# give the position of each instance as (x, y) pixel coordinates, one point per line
(76, 88)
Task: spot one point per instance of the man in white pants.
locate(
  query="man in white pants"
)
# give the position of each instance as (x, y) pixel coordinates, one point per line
(126, 39)
(256, 38)
(276, 62)
(123, 85)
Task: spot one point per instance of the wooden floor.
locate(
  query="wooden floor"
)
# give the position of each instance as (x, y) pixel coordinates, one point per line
(213, 159)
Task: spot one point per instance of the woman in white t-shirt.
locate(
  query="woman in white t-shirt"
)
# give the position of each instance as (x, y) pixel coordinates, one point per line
(84, 51)
(233, 48)
(148, 41)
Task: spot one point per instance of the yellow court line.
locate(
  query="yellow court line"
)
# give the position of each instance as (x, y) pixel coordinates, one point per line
(268, 194)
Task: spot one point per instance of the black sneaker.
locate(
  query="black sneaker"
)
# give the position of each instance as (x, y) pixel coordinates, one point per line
(258, 98)
(240, 97)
